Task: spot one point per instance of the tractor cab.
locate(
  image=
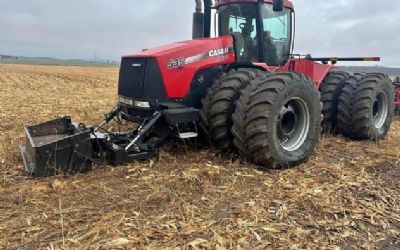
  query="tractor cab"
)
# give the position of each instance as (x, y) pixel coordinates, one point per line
(263, 30)
(261, 33)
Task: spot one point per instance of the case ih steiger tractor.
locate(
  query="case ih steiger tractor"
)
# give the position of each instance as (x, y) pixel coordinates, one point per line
(242, 89)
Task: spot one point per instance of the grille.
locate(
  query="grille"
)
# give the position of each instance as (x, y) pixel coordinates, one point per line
(131, 77)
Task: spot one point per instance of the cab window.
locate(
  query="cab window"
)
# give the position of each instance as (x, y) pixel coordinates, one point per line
(276, 35)
(239, 20)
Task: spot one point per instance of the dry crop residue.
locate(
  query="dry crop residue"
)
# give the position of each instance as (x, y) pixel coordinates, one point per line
(347, 196)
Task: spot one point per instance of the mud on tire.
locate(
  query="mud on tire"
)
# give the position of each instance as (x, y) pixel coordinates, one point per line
(330, 90)
(277, 121)
(219, 105)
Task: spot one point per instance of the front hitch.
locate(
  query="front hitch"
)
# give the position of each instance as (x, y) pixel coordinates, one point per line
(108, 117)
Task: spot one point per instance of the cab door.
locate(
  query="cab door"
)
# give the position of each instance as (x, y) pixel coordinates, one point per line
(240, 20)
(276, 35)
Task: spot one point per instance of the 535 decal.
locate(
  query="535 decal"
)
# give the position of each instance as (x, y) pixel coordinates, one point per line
(176, 63)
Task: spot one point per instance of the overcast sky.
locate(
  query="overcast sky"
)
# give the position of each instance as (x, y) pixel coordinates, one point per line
(84, 28)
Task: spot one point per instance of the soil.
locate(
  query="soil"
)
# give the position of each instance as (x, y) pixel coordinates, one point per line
(347, 196)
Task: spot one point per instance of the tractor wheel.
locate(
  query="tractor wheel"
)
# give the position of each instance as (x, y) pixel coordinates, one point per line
(345, 105)
(330, 90)
(219, 105)
(373, 107)
(277, 121)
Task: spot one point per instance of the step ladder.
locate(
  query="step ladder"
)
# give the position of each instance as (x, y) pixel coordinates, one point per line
(189, 134)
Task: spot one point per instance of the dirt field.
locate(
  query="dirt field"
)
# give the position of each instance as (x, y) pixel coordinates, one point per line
(346, 197)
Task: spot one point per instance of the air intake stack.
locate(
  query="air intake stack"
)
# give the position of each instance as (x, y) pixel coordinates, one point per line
(198, 21)
(202, 21)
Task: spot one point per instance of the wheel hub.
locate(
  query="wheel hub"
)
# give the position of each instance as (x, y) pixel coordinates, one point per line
(293, 124)
(288, 121)
(380, 110)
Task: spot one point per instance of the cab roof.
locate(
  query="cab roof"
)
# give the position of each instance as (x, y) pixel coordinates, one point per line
(287, 3)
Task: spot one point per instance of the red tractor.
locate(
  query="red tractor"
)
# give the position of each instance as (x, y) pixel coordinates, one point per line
(396, 84)
(242, 89)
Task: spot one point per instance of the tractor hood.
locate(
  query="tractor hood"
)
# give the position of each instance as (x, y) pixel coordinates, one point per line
(175, 65)
(186, 48)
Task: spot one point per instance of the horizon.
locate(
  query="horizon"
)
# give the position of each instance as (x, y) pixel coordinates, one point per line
(113, 61)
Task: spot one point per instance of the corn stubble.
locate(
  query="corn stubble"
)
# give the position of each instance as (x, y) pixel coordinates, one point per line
(346, 196)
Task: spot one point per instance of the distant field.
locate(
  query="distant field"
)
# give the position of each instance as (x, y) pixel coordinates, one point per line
(55, 62)
(346, 197)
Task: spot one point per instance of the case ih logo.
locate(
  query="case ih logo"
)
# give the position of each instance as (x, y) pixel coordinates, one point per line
(218, 52)
(181, 61)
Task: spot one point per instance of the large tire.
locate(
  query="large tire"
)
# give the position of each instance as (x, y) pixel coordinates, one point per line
(373, 107)
(219, 105)
(330, 90)
(345, 105)
(277, 121)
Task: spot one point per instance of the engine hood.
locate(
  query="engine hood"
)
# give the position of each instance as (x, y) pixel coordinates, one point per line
(179, 62)
(189, 47)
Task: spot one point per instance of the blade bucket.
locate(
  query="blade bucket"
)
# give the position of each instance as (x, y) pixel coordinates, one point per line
(56, 147)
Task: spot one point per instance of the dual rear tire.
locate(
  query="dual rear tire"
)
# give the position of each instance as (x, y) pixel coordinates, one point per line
(361, 105)
(330, 89)
(366, 107)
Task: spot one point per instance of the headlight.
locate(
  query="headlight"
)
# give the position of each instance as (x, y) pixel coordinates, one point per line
(141, 104)
(125, 100)
(135, 103)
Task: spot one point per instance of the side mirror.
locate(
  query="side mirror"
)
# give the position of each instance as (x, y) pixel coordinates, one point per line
(278, 5)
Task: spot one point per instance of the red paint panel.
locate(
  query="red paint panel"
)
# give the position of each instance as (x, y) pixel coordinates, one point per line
(397, 98)
(287, 4)
(199, 54)
(272, 68)
(316, 71)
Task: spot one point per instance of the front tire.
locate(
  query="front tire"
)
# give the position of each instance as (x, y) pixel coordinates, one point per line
(219, 105)
(278, 120)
